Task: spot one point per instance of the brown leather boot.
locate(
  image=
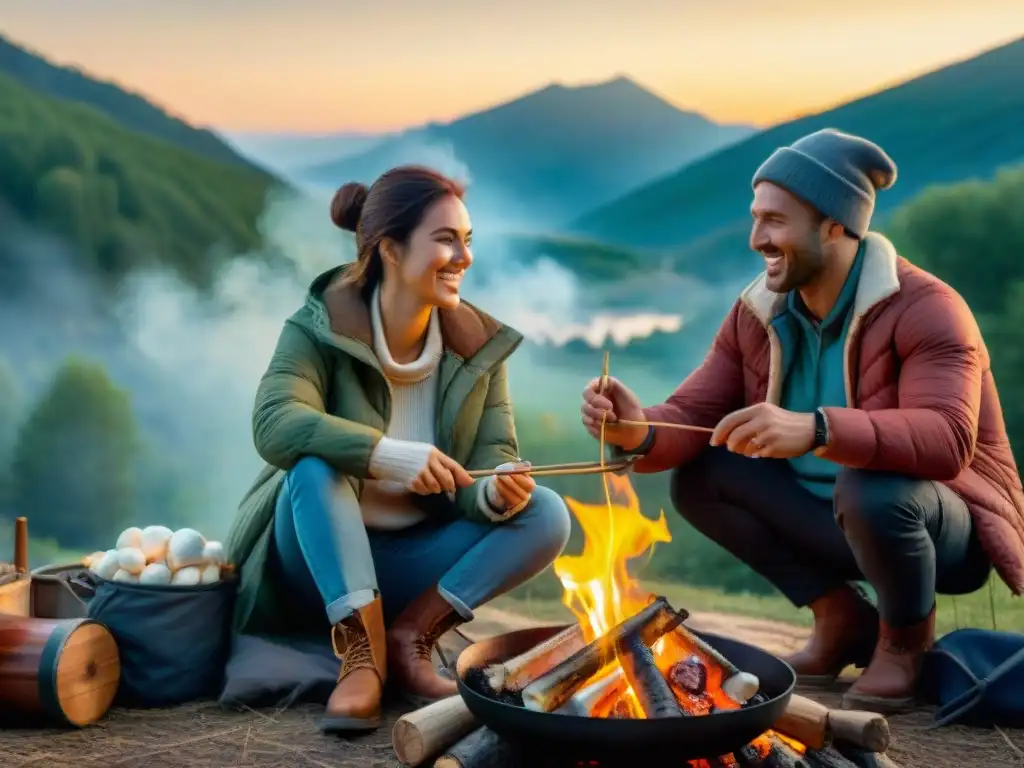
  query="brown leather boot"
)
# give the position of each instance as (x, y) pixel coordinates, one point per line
(845, 632)
(411, 639)
(889, 684)
(360, 645)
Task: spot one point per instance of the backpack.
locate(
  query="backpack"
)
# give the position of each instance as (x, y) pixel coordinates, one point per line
(976, 677)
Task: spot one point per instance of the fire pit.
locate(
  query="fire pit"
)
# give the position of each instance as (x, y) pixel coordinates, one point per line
(629, 681)
(612, 739)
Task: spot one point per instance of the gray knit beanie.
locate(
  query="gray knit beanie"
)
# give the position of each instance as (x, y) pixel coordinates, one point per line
(835, 172)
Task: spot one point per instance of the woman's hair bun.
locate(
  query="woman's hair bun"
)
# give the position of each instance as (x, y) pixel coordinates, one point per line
(347, 205)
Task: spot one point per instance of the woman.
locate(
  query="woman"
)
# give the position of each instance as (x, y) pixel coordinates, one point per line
(382, 390)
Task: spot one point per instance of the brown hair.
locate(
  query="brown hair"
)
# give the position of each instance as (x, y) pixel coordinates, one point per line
(391, 207)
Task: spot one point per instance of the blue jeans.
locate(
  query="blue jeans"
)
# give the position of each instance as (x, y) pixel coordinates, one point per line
(327, 557)
(908, 538)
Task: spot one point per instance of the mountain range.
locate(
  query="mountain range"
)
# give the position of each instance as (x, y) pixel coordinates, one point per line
(647, 188)
(965, 120)
(131, 110)
(550, 155)
(286, 152)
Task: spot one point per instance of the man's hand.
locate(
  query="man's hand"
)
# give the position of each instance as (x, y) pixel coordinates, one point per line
(618, 402)
(766, 431)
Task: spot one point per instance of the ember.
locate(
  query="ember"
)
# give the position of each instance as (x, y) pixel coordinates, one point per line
(691, 675)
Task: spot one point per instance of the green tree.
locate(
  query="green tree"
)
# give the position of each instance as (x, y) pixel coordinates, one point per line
(971, 235)
(61, 205)
(75, 457)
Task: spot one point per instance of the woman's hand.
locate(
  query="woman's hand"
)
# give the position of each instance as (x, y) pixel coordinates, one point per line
(513, 490)
(440, 473)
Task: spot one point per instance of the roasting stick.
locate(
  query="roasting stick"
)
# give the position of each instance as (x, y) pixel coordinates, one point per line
(572, 468)
(666, 424)
(601, 387)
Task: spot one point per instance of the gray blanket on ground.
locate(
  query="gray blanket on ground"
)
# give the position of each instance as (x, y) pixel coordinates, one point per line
(271, 672)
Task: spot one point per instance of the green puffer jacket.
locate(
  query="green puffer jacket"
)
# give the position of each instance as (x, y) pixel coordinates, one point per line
(324, 394)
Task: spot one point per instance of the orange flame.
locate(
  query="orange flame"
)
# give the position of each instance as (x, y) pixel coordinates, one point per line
(601, 593)
(598, 587)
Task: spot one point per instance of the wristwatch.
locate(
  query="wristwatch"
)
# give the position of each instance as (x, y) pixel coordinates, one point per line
(820, 428)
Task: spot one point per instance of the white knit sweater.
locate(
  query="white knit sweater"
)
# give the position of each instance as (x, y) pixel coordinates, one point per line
(410, 437)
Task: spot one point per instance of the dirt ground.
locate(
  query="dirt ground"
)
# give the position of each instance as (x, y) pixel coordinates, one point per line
(204, 736)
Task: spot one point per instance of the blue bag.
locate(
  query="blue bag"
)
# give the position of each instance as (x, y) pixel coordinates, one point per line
(976, 676)
(174, 641)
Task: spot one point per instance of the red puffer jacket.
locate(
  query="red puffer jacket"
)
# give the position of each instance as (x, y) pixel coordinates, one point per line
(921, 397)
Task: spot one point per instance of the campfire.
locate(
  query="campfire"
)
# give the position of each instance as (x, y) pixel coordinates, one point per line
(630, 657)
(602, 594)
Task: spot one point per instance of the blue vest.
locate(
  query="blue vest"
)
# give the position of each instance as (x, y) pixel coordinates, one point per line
(812, 369)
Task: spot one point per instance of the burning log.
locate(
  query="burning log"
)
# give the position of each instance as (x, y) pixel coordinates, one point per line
(516, 673)
(605, 695)
(650, 686)
(736, 684)
(553, 689)
(482, 748)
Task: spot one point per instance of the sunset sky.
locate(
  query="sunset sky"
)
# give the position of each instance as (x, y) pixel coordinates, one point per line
(326, 65)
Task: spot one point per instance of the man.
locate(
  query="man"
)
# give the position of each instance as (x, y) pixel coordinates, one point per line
(857, 428)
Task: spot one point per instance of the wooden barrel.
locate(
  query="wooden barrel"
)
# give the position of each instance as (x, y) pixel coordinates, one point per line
(66, 670)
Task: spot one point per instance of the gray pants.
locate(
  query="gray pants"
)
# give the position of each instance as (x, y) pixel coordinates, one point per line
(908, 538)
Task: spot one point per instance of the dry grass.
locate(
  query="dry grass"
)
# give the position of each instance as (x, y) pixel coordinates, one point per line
(197, 736)
(203, 735)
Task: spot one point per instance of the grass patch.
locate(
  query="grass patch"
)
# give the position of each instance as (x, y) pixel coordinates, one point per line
(973, 610)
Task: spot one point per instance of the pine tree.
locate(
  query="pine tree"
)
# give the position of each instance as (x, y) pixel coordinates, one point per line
(73, 463)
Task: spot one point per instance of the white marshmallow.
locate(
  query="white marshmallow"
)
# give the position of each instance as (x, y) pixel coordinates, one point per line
(185, 548)
(125, 577)
(154, 542)
(131, 559)
(188, 576)
(155, 573)
(130, 537)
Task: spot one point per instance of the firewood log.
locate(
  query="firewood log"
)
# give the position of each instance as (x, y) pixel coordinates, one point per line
(737, 685)
(421, 735)
(518, 672)
(482, 748)
(550, 691)
(815, 725)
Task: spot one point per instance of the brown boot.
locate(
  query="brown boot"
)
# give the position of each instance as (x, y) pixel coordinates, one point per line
(845, 632)
(889, 684)
(411, 639)
(360, 645)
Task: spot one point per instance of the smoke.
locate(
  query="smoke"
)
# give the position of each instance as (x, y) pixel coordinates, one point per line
(192, 360)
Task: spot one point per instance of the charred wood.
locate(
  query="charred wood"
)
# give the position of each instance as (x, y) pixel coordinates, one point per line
(650, 686)
(482, 748)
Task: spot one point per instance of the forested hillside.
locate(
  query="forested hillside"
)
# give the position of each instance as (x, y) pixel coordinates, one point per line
(121, 198)
(131, 110)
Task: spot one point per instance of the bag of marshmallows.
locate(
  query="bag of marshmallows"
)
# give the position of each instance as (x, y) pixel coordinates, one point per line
(157, 556)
